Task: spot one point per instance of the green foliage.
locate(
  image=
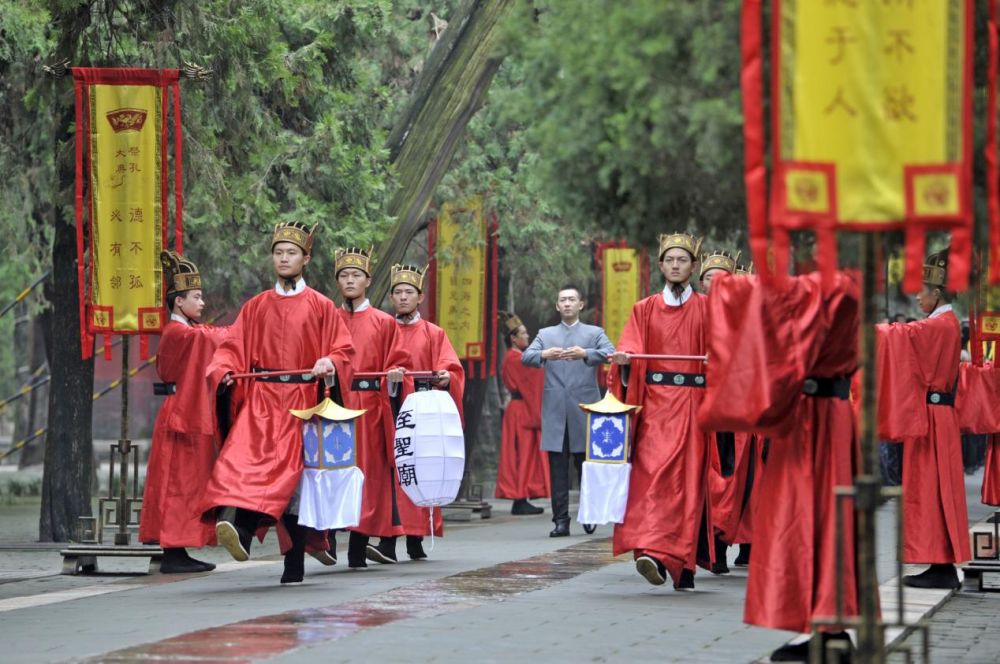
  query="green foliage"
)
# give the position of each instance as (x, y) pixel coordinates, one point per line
(607, 120)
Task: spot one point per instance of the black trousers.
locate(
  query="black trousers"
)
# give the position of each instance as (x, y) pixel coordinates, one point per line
(559, 478)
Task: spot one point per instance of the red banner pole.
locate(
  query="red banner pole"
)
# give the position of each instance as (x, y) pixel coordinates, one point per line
(992, 169)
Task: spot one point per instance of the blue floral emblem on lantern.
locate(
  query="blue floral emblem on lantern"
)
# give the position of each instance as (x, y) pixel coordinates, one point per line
(607, 437)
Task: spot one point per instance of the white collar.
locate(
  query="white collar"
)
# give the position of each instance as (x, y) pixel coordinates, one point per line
(358, 309)
(668, 296)
(300, 285)
(575, 323)
(411, 321)
(943, 309)
(181, 318)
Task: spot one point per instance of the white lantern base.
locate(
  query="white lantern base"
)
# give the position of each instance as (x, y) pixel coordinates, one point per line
(330, 498)
(603, 492)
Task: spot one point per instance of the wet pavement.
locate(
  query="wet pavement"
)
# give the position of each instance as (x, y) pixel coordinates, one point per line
(497, 590)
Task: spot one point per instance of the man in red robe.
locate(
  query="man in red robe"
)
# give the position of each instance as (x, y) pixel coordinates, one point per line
(430, 350)
(918, 375)
(734, 458)
(523, 469)
(185, 437)
(376, 350)
(780, 361)
(668, 519)
(286, 328)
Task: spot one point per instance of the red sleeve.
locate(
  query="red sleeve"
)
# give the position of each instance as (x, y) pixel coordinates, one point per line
(337, 343)
(761, 344)
(632, 340)
(232, 355)
(902, 390)
(977, 399)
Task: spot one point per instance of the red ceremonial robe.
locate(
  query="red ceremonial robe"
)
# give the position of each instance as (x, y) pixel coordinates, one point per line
(261, 460)
(376, 349)
(430, 350)
(668, 486)
(913, 359)
(978, 412)
(763, 344)
(523, 468)
(185, 440)
(731, 495)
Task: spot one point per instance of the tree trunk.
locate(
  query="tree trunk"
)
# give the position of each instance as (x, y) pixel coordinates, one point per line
(69, 451)
(449, 90)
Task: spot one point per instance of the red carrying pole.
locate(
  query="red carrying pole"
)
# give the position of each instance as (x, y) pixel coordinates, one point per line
(649, 356)
(383, 374)
(271, 374)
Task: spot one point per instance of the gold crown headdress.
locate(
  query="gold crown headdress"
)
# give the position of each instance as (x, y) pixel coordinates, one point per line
(685, 241)
(746, 269)
(295, 232)
(407, 274)
(179, 273)
(936, 269)
(511, 321)
(718, 260)
(353, 257)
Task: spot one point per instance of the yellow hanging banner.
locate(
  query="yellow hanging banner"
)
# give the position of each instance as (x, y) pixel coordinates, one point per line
(621, 286)
(122, 184)
(871, 125)
(127, 234)
(460, 251)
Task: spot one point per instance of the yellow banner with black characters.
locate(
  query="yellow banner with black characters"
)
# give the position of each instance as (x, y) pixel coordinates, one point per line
(127, 234)
(871, 125)
(621, 286)
(461, 254)
(122, 183)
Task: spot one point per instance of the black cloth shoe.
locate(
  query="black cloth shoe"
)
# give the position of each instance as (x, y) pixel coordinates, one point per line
(799, 652)
(522, 507)
(743, 559)
(384, 553)
(177, 561)
(415, 547)
(651, 569)
(357, 544)
(561, 529)
(942, 576)
(720, 566)
(295, 558)
(686, 582)
(233, 538)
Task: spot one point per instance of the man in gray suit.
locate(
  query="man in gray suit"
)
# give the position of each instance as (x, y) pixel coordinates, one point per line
(570, 353)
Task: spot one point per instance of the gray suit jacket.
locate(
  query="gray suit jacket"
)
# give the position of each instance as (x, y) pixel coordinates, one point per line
(568, 383)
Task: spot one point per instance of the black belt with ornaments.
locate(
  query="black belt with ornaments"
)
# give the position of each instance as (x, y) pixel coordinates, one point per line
(675, 379)
(288, 379)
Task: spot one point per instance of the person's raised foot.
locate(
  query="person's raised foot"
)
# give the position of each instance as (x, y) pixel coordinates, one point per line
(384, 553)
(233, 539)
(651, 569)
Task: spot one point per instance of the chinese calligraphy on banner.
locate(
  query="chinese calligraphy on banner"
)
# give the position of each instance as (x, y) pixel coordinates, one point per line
(622, 277)
(121, 164)
(465, 276)
(872, 125)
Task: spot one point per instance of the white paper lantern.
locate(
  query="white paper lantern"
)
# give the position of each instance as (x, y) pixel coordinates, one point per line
(430, 448)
